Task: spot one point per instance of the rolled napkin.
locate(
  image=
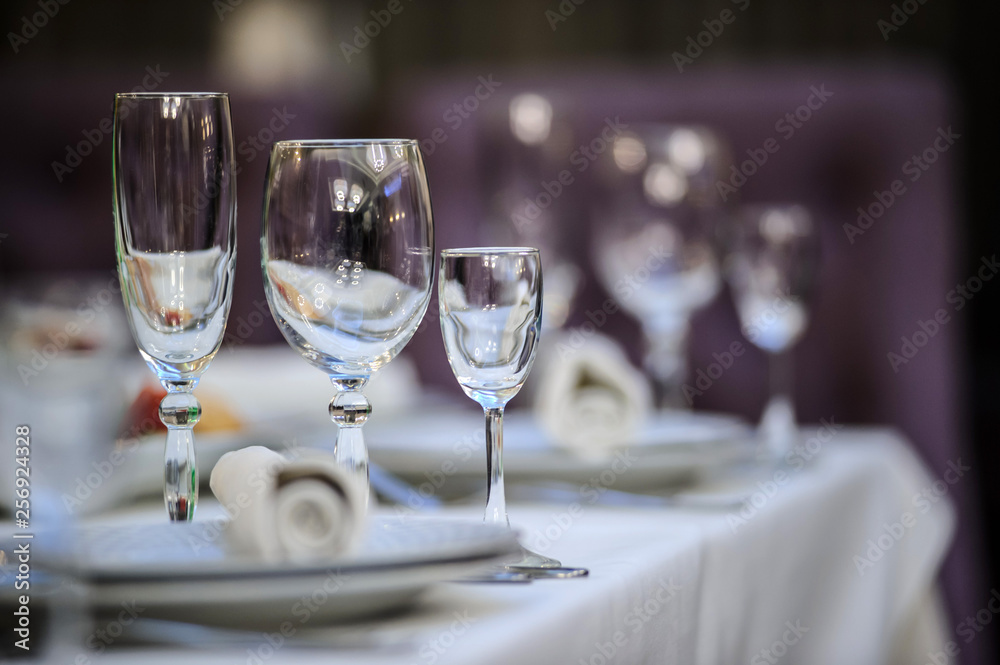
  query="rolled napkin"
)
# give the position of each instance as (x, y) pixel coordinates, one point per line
(304, 508)
(589, 398)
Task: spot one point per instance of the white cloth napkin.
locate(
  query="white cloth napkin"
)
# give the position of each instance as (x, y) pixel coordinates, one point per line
(300, 509)
(589, 397)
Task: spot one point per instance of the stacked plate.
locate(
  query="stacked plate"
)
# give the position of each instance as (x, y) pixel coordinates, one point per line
(446, 448)
(182, 571)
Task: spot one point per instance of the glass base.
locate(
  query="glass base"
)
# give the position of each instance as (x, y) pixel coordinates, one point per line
(537, 566)
(777, 431)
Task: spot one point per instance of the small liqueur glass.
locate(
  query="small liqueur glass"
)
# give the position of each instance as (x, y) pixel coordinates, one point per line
(491, 316)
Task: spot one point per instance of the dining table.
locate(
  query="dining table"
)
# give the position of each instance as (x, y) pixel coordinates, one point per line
(828, 556)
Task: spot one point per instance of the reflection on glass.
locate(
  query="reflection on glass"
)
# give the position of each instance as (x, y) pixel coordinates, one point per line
(176, 307)
(348, 317)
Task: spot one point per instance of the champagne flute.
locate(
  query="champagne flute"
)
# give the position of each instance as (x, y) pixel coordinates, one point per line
(772, 272)
(491, 316)
(175, 222)
(346, 252)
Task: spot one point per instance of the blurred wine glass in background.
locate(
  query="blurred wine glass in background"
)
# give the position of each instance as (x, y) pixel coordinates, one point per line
(772, 271)
(655, 239)
(528, 144)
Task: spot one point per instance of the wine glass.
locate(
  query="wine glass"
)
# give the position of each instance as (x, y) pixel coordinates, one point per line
(491, 316)
(772, 272)
(175, 214)
(655, 240)
(347, 256)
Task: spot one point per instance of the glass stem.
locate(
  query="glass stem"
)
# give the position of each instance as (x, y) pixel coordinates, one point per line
(180, 411)
(777, 425)
(666, 361)
(780, 366)
(349, 410)
(496, 503)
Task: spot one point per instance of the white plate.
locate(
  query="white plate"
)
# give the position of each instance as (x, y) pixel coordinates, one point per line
(156, 567)
(447, 446)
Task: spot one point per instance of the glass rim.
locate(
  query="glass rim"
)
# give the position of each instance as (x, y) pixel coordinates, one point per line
(342, 143)
(165, 95)
(487, 251)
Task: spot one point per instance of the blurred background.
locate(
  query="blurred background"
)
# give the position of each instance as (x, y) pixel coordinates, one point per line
(524, 109)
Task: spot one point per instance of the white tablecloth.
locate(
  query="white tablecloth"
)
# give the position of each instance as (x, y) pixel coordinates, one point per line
(834, 563)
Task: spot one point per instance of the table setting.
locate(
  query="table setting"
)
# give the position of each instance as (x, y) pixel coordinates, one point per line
(600, 519)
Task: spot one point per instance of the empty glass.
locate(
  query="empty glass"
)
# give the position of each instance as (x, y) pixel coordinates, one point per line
(491, 316)
(655, 238)
(347, 255)
(772, 272)
(175, 214)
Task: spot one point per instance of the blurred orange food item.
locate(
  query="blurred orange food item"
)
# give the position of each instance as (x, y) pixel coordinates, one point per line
(143, 415)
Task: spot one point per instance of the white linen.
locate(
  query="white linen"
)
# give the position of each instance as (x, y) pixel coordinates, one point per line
(737, 587)
(589, 396)
(300, 509)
